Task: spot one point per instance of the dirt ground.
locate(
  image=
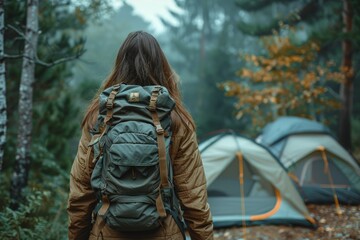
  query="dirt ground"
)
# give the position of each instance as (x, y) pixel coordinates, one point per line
(330, 226)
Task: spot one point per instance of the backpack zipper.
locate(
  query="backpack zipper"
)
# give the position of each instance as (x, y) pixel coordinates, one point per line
(133, 173)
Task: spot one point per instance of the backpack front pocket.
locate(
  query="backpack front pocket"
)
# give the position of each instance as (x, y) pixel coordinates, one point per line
(133, 168)
(133, 213)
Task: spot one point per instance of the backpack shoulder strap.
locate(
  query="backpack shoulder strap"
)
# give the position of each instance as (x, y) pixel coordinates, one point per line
(161, 149)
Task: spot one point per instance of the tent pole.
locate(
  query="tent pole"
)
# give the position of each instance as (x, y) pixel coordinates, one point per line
(328, 172)
(242, 194)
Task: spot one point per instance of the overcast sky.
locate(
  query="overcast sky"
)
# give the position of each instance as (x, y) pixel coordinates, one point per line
(150, 10)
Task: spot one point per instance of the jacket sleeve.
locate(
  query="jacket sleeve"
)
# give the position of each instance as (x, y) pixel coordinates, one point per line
(82, 199)
(190, 184)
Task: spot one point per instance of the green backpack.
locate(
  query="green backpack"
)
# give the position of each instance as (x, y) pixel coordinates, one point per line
(133, 176)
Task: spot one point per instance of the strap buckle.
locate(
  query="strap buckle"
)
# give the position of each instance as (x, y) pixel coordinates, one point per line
(153, 99)
(109, 105)
(111, 98)
(152, 104)
(159, 129)
(105, 205)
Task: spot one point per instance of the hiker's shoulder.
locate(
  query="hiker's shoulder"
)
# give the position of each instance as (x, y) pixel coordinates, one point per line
(184, 130)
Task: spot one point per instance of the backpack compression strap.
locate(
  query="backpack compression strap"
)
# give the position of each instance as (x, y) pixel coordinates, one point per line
(109, 113)
(110, 103)
(161, 149)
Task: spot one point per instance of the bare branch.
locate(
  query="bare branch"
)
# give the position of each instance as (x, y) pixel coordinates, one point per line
(60, 4)
(333, 93)
(86, 61)
(6, 56)
(17, 31)
(42, 63)
(59, 61)
(37, 60)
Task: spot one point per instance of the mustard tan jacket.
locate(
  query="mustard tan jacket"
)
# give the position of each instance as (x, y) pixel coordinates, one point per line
(190, 185)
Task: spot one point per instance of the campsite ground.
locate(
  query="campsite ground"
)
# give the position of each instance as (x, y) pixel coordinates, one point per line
(330, 226)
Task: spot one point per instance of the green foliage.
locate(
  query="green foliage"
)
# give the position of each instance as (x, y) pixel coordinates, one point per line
(263, 16)
(257, 4)
(57, 123)
(56, 116)
(42, 214)
(25, 223)
(61, 25)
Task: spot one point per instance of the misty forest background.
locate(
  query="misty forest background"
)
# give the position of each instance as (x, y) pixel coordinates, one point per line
(241, 65)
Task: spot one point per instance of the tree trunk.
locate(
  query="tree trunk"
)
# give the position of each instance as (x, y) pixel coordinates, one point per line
(3, 116)
(347, 87)
(205, 30)
(22, 161)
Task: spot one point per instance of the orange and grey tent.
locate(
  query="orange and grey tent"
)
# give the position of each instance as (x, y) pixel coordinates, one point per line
(248, 186)
(322, 169)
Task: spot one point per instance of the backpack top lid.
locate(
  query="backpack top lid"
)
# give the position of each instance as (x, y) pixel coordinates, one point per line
(132, 103)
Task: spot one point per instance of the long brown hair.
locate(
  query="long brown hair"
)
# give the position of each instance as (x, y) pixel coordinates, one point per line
(141, 61)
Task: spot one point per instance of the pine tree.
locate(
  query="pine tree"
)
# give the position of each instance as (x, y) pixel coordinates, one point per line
(264, 15)
(204, 47)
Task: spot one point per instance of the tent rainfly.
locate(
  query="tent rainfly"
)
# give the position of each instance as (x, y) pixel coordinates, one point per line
(321, 168)
(248, 186)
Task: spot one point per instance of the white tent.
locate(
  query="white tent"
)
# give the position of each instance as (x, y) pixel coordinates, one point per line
(323, 170)
(247, 184)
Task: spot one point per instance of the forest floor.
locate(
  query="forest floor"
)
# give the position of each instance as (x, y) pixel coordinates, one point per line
(330, 226)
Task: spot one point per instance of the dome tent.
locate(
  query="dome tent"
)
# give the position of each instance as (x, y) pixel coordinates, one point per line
(322, 169)
(248, 186)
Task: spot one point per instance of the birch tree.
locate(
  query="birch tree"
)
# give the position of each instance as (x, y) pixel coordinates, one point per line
(3, 116)
(22, 158)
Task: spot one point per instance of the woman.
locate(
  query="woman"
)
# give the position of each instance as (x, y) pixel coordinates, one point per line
(140, 61)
